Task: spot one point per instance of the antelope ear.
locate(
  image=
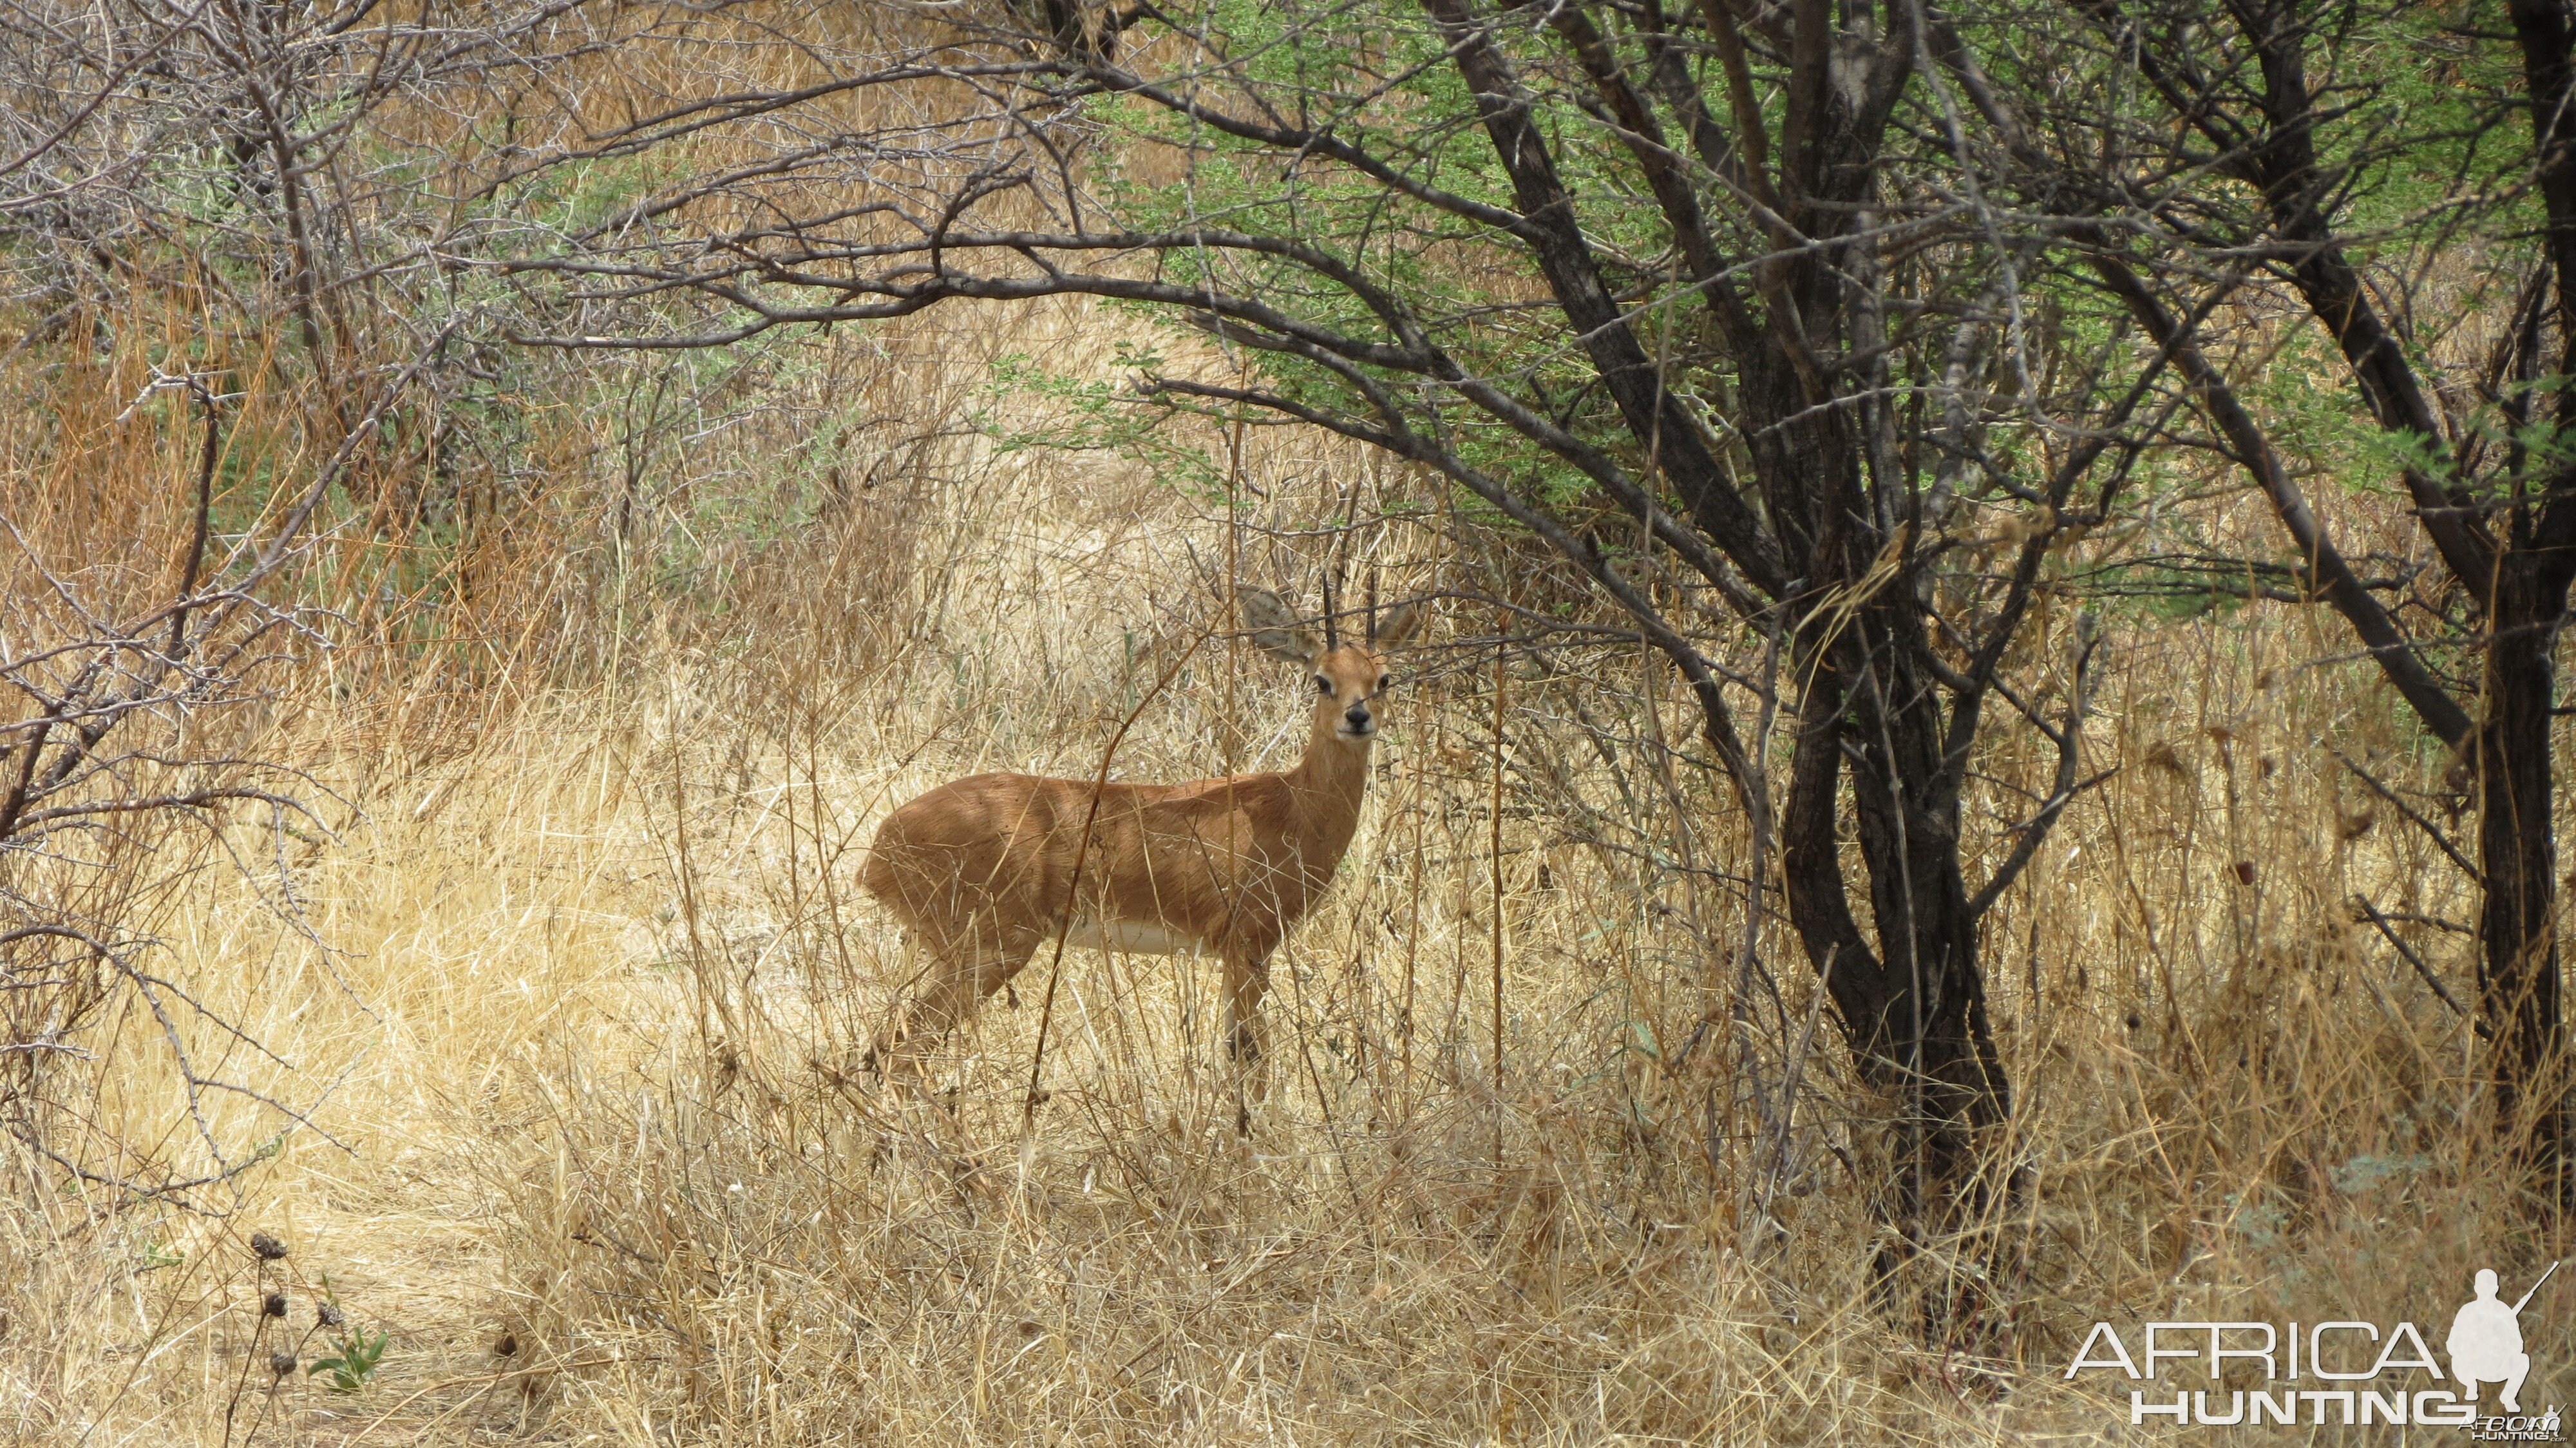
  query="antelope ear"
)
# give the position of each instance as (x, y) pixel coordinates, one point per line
(1397, 626)
(1274, 626)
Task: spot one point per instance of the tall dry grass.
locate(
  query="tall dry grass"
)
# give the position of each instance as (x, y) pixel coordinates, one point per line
(582, 983)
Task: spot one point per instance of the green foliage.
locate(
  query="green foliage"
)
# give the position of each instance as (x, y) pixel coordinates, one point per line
(357, 1357)
(1096, 414)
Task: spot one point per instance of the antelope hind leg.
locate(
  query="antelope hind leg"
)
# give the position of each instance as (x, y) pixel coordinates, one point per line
(958, 983)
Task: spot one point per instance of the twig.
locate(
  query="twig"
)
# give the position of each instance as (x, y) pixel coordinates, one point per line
(2413, 818)
(2485, 1031)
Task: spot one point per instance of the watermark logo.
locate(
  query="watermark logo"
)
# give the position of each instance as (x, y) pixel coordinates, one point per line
(2360, 1374)
(2486, 1341)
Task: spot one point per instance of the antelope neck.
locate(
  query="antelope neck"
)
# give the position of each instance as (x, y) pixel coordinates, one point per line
(1333, 775)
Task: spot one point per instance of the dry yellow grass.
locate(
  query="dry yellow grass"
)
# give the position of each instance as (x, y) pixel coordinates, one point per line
(598, 979)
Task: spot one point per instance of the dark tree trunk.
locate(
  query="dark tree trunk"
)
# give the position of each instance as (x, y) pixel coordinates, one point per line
(2518, 975)
(1933, 991)
(2518, 983)
(1913, 1009)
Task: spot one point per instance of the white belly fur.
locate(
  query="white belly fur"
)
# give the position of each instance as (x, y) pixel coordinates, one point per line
(1130, 937)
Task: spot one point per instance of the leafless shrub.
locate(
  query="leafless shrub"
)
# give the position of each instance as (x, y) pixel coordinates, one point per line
(135, 684)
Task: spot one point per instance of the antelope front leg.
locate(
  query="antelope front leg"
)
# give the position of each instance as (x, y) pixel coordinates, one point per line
(1246, 977)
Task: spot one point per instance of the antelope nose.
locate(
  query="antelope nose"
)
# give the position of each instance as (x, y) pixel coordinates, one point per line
(1358, 717)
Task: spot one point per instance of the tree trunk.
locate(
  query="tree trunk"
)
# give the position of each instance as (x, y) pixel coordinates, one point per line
(1913, 1011)
(1909, 837)
(2518, 983)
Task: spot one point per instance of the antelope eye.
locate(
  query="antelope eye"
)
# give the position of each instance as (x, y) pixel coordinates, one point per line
(1323, 685)
(1385, 682)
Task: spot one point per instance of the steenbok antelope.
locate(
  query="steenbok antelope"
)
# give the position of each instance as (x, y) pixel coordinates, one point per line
(983, 871)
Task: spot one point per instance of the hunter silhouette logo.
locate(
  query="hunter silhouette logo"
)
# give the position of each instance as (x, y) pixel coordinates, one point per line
(2486, 1340)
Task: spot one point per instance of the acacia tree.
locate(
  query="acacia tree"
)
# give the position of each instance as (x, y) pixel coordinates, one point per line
(1706, 300)
(2397, 182)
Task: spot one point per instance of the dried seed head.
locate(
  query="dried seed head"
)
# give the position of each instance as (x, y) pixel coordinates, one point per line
(330, 1314)
(281, 1363)
(273, 1305)
(2162, 755)
(269, 1248)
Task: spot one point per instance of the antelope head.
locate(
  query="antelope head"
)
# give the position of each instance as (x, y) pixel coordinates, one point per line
(1346, 677)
